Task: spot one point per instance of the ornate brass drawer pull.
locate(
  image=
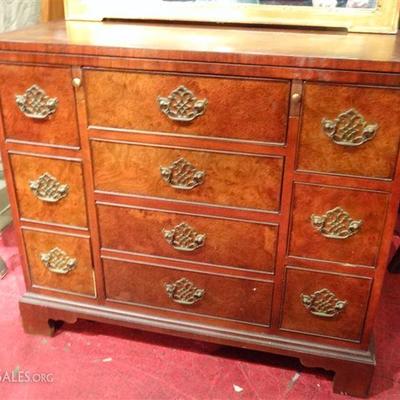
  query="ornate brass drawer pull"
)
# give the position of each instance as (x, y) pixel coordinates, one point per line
(57, 261)
(323, 303)
(184, 292)
(184, 238)
(336, 224)
(34, 103)
(182, 105)
(349, 129)
(49, 189)
(182, 175)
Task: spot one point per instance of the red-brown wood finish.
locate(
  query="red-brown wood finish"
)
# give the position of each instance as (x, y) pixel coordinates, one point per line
(69, 210)
(130, 101)
(346, 323)
(374, 158)
(243, 181)
(361, 248)
(80, 280)
(269, 166)
(222, 296)
(59, 128)
(229, 243)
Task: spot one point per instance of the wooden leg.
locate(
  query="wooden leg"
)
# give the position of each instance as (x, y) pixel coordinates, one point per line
(44, 321)
(351, 378)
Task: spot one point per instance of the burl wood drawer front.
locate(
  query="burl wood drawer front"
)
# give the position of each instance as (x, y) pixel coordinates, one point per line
(192, 292)
(60, 262)
(350, 130)
(49, 190)
(325, 304)
(38, 105)
(199, 176)
(337, 224)
(207, 240)
(240, 109)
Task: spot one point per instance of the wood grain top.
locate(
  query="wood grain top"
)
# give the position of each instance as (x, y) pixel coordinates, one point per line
(247, 45)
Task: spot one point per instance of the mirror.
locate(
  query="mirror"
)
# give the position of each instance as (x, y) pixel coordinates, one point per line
(305, 3)
(376, 16)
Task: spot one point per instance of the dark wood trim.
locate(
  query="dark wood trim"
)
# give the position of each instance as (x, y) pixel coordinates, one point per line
(263, 342)
(89, 184)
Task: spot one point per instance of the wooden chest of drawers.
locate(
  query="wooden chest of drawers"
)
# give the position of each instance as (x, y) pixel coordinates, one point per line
(239, 192)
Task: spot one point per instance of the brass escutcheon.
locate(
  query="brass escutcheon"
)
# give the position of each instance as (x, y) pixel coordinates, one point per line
(34, 103)
(182, 105)
(323, 303)
(184, 292)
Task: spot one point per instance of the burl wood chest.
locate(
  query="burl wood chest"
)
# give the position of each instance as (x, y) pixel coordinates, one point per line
(236, 185)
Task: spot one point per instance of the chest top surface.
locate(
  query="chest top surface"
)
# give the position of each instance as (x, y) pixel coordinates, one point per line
(247, 45)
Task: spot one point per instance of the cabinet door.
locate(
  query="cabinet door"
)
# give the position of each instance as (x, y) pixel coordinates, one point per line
(60, 262)
(350, 130)
(325, 304)
(49, 190)
(337, 224)
(38, 105)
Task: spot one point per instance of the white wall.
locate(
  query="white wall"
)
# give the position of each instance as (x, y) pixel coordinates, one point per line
(15, 14)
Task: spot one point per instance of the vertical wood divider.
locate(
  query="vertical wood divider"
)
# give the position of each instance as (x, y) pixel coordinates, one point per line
(286, 200)
(88, 177)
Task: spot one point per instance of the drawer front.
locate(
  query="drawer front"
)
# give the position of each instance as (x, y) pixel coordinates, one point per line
(207, 240)
(191, 292)
(337, 224)
(350, 130)
(38, 105)
(240, 109)
(197, 176)
(325, 304)
(60, 262)
(49, 190)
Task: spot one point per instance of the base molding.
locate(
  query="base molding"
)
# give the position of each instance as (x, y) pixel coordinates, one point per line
(353, 369)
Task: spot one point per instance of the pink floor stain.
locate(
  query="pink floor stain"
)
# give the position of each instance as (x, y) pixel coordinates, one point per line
(90, 360)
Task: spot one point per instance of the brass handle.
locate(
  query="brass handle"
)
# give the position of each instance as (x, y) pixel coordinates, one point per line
(184, 292)
(34, 103)
(336, 224)
(184, 238)
(349, 129)
(323, 303)
(58, 262)
(48, 189)
(182, 105)
(182, 175)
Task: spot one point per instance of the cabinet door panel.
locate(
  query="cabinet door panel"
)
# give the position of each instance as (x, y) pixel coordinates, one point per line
(350, 130)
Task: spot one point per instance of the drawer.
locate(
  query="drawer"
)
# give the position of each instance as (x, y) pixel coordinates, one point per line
(236, 299)
(350, 130)
(197, 176)
(38, 105)
(206, 240)
(337, 224)
(59, 262)
(49, 190)
(235, 108)
(325, 304)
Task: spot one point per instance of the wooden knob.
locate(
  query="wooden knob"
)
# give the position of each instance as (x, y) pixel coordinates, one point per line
(76, 82)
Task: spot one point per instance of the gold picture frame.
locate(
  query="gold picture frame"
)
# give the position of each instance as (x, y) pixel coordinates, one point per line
(382, 19)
